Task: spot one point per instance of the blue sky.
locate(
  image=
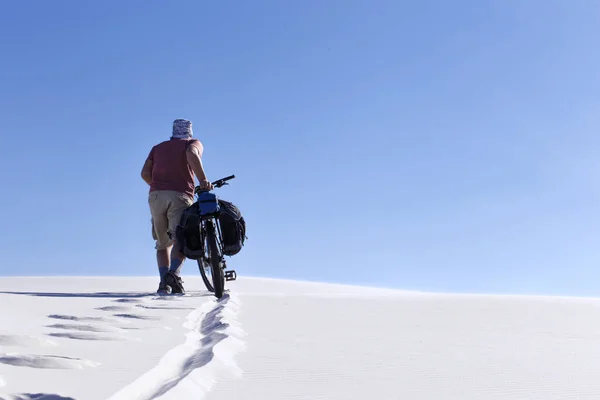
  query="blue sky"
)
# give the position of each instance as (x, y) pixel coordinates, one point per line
(432, 145)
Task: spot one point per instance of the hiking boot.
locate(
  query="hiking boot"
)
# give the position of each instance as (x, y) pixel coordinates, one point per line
(175, 283)
(163, 288)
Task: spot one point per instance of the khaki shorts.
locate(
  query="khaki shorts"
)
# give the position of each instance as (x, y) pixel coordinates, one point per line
(166, 207)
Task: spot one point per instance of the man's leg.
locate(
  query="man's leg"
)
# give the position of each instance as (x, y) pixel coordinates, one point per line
(179, 203)
(163, 259)
(160, 226)
(177, 259)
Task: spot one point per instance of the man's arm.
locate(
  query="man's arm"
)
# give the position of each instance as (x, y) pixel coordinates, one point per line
(194, 158)
(147, 171)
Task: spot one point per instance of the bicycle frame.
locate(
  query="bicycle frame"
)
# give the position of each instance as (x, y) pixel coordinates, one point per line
(208, 212)
(212, 216)
(217, 227)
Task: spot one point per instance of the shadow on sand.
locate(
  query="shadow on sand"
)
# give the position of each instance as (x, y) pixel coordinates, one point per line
(39, 396)
(107, 295)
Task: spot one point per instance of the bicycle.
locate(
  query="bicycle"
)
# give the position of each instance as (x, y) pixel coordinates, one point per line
(212, 259)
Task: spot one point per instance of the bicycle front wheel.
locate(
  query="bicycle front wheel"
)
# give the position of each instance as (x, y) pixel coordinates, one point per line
(218, 278)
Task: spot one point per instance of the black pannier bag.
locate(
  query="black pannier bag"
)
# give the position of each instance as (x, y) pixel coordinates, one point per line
(187, 233)
(231, 222)
(233, 228)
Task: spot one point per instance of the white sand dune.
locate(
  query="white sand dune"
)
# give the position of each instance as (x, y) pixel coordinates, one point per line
(112, 338)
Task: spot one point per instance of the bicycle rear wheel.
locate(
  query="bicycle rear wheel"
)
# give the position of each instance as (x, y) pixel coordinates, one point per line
(218, 278)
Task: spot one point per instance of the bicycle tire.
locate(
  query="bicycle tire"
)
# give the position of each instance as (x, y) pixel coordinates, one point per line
(207, 282)
(218, 277)
(201, 267)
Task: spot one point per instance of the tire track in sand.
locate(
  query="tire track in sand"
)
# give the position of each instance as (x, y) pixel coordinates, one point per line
(189, 369)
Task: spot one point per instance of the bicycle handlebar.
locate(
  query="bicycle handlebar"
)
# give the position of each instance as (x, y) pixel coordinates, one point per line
(218, 183)
(223, 181)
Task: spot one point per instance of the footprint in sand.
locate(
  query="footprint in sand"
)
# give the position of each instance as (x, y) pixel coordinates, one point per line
(113, 308)
(79, 319)
(39, 396)
(86, 336)
(137, 316)
(45, 362)
(164, 307)
(127, 301)
(87, 332)
(124, 312)
(25, 341)
(103, 328)
(85, 328)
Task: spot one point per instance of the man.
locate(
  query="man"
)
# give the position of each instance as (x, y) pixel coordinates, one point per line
(169, 170)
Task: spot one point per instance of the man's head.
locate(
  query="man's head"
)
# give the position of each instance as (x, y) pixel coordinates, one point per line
(182, 129)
